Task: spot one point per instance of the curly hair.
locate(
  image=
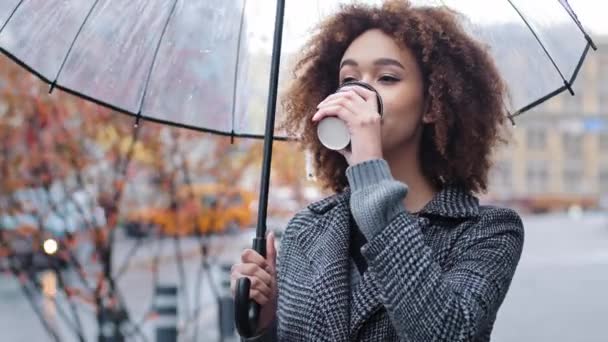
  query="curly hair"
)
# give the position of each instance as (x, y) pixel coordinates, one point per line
(462, 85)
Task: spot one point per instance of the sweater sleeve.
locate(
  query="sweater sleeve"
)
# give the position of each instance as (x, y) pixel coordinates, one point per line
(376, 198)
(428, 303)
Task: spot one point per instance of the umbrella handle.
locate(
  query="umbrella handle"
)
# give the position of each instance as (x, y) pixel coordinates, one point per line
(246, 310)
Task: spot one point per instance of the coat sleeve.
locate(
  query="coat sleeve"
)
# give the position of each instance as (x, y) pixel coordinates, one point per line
(426, 303)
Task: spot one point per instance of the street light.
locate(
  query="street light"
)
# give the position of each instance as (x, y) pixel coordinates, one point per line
(50, 246)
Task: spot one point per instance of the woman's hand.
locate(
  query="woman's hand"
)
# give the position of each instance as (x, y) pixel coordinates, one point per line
(357, 107)
(262, 274)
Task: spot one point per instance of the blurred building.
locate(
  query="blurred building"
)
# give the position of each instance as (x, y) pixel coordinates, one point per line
(560, 149)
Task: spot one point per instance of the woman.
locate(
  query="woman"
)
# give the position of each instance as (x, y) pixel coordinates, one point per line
(403, 251)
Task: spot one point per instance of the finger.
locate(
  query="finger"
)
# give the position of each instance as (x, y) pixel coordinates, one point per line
(259, 297)
(351, 95)
(364, 93)
(255, 283)
(249, 256)
(347, 154)
(348, 101)
(337, 110)
(367, 95)
(233, 280)
(271, 255)
(255, 271)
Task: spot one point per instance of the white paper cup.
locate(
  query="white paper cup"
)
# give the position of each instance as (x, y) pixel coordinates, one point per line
(333, 133)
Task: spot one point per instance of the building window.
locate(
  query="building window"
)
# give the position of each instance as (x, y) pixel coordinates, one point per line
(537, 176)
(603, 98)
(603, 85)
(537, 138)
(604, 142)
(604, 181)
(573, 146)
(573, 177)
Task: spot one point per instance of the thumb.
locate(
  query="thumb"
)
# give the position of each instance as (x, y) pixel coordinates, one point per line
(271, 251)
(348, 154)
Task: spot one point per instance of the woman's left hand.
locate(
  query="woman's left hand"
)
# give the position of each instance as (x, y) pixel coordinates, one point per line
(357, 107)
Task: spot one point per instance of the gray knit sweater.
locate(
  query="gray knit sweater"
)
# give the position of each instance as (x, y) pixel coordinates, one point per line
(375, 200)
(440, 275)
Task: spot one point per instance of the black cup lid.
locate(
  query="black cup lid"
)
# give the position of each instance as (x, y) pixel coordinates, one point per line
(369, 87)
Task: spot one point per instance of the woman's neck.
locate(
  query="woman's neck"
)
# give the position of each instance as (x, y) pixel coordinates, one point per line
(406, 167)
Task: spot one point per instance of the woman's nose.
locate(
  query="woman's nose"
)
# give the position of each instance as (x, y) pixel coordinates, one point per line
(367, 79)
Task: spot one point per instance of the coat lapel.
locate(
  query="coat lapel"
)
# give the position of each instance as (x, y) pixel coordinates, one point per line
(326, 243)
(366, 302)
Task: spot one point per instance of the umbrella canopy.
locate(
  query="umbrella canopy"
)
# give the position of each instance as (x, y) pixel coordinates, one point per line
(189, 63)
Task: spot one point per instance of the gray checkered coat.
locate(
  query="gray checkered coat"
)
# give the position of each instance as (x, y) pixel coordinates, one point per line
(439, 275)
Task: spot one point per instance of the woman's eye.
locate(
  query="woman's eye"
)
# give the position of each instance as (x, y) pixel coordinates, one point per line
(348, 79)
(389, 79)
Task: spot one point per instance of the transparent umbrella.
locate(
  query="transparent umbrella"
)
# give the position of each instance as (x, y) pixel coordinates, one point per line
(189, 63)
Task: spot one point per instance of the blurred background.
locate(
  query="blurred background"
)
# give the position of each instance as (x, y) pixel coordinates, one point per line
(110, 232)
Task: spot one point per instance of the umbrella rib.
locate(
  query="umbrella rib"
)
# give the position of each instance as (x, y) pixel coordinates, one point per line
(536, 103)
(566, 82)
(65, 58)
(555, 92)
(11, 16)
(236, 68)
(580, 62)
(566, 5)
(160, 40)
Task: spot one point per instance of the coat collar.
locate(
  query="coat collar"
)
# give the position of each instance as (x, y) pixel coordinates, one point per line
(450, 202)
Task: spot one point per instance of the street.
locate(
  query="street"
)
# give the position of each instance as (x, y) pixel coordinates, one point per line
(558, 293)
(560, 290)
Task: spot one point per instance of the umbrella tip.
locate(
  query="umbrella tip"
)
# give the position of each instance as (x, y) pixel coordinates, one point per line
(137, 118)
(512, 120)
(52, 87)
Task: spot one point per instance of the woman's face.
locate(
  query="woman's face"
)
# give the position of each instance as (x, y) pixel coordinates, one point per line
(376, 59)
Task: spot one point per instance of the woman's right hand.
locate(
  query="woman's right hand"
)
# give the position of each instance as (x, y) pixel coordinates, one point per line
(262, 274)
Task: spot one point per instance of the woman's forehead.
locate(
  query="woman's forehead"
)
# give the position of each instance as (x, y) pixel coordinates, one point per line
(375, 47)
